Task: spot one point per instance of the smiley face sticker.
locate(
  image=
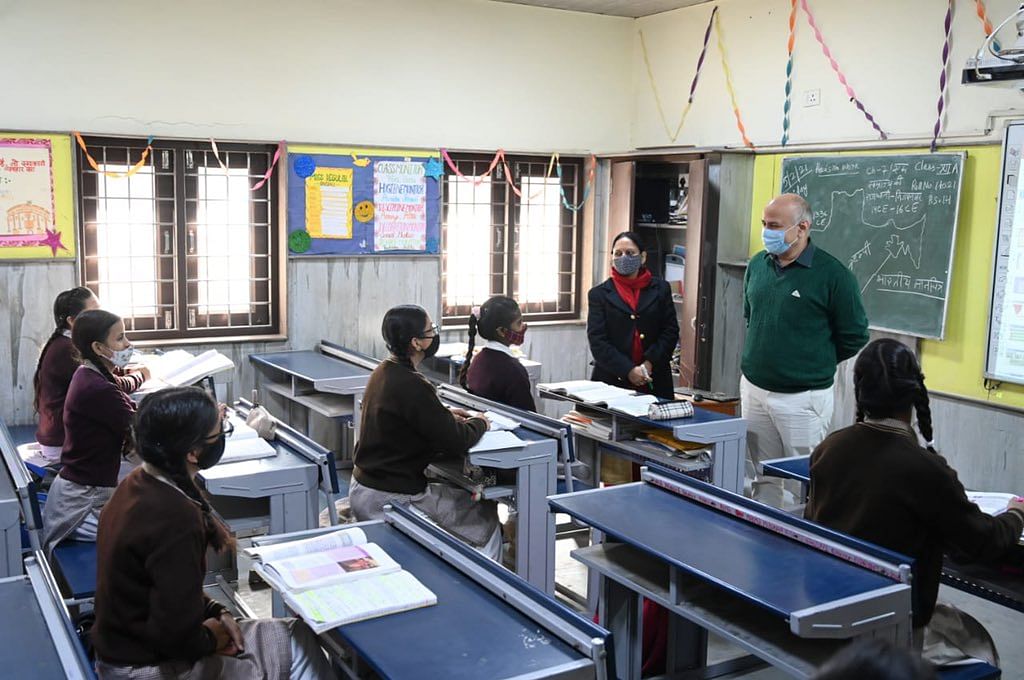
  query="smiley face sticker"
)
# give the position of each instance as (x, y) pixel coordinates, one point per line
(363, 211)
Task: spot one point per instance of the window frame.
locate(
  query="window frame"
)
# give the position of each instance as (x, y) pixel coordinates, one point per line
(505, 209)
(180, 258)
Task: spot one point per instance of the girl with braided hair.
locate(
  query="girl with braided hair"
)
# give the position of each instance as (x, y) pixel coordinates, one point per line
(97, 416)
(875, 481)
(152, 617)
(495, 373)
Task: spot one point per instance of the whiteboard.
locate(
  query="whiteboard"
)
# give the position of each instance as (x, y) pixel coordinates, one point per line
(1004, 359)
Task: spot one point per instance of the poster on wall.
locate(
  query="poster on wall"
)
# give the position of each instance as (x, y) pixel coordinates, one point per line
(400, 205)
(28, 214)
(355, 201)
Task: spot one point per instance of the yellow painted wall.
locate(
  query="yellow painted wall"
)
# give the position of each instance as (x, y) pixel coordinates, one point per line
(956, 363)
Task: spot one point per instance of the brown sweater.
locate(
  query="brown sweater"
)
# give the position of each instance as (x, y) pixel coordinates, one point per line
(150, 563)
(404, 428)
(875, 482)
(97, 417)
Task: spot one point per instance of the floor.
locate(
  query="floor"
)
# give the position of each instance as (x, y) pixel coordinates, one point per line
(1003, 624)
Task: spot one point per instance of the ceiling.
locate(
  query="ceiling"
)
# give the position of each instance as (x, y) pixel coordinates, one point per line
(620, 8)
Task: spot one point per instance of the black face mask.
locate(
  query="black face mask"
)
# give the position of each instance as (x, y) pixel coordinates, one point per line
(211, 453)
(431, 350)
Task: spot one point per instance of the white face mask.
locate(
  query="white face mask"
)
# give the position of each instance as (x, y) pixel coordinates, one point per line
(121, 357)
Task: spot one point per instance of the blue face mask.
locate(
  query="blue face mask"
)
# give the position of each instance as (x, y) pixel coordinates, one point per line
(775, 241)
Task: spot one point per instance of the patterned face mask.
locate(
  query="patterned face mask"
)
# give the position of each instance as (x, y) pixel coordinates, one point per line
(627, 264)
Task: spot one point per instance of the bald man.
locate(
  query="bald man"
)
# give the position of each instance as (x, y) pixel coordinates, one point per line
(804, 315)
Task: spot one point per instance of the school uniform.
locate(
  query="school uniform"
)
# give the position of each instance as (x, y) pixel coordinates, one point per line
(150, 604)
(97, 416)
(56, 368)
(405, 428)
(496, 374)
(873, 480)
(611, 323)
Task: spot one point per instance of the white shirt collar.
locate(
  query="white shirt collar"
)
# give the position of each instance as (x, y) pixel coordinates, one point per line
(66, 333)
(497, 346)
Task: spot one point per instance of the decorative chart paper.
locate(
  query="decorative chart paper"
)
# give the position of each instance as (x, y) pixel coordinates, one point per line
(400, 205)
(354, 201)
(28, 207)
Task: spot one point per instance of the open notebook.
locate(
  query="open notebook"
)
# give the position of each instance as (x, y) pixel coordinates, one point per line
(339, 578)
(991, 502)
(178, 367)
(589, 391)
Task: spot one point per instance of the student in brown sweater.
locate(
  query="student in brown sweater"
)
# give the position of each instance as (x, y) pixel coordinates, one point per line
(57, 365)
(97, 416)
(873, 480)
(405, 428)
(494, 373)
(152, 617)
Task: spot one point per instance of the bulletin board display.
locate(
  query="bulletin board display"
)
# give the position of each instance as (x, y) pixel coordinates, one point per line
(360, 201)
(36, 201)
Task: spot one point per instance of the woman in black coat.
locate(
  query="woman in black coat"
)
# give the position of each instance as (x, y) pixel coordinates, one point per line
(632, 326)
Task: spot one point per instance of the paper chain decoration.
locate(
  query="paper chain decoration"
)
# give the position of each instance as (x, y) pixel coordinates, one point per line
(942, 77)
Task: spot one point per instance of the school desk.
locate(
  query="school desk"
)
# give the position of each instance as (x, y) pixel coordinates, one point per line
(487, 623)
(785, 590)
(725, 434)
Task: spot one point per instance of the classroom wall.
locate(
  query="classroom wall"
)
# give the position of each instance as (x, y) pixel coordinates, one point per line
(454, 73)
(889, 51)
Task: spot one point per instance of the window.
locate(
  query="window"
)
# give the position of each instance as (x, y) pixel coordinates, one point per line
(498, 243)
(183, 248)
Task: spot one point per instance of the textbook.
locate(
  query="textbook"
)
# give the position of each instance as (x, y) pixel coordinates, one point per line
(495, 440)
(339, 578)
(632, 405)
(178, 367)
(992, 503)
(588, 391)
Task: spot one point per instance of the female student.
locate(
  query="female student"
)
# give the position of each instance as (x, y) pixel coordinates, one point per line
(405, 428)
(152, 617)
(97, 416)
(56, 366)
(632, 326)
(874, 480)
(495, 373)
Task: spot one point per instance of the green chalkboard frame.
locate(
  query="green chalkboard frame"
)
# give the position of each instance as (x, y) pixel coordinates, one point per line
(921, 310)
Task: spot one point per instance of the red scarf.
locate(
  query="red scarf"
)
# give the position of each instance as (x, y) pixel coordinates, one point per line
(629, 290)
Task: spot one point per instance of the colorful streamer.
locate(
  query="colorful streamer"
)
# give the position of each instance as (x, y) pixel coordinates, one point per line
(835, 67)
(693, 83)
(518, 191)
(728, 82)
(986, 25)
(942, 77)
(789, 73)
(587, 187)
(270, 170)
(478, 179)
(216, 154)
(108, 173)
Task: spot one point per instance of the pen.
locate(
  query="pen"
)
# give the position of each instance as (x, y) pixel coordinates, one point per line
(647, 376)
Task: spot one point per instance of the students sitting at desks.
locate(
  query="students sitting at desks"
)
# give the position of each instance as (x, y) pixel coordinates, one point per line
(56, 366)
(97, 416)
(875, 481)
(495, 373)
(153, 619)
(405, 428)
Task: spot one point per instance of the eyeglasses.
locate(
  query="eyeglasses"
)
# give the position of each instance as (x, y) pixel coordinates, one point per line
(227, 428)
(433, 330)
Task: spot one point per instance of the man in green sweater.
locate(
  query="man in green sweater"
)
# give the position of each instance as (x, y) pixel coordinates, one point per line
(804, 315)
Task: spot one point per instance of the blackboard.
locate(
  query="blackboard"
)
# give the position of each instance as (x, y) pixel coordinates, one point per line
(356, 201)
(892, 220)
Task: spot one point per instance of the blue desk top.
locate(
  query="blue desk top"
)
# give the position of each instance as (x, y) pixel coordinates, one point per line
(765, 568)
(309, 365)
(469, 633)
(27, 650)
(790, 468)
